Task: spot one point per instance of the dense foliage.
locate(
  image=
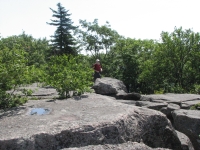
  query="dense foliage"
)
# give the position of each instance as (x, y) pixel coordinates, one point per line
(13, 71)
(169, 65)
(145, 66)
(68, 73)
(94, 38)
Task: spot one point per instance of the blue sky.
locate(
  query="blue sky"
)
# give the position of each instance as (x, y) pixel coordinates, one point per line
(140, 19)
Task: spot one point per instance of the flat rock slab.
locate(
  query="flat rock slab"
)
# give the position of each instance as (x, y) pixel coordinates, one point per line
(67, 114)
(93, 120)
(171, 98)
(129, 102)
(38, 90)
(188, 104)
(150, 105)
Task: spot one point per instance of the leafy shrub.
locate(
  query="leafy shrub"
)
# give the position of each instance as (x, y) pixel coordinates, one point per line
(36, 74)
(67, 73)
(197, 89)
(13, 73)
(8, 100)
(27, 92)
(160, 91)
(13, 69)
(195, 107)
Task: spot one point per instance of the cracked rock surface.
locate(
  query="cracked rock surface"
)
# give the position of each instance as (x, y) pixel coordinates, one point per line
(93, 120)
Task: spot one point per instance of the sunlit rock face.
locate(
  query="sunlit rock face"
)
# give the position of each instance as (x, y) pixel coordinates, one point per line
(96, 119)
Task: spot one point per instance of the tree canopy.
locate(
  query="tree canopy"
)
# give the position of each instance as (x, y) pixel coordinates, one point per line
(95, 38)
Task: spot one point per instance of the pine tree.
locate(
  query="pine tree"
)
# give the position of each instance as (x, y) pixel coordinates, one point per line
(62, 41)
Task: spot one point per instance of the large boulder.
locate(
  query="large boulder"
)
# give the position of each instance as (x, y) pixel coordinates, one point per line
(188, 122)
(94, 120)
(108, 86)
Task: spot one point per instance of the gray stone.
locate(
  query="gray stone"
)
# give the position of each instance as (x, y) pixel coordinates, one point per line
(165, 111)
(127, 96)
(172, 107)
(120, 94)
(132, 96)
(159, 101)
(150, 105)
(108, 86)
(39, 91)
(188, 122)
(145, 98)
(172, 98)
(129, 102)
(188, 104)
(95, 120)
(185, 141)
(124, 146)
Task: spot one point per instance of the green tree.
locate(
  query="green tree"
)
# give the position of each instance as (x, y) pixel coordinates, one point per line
(22, 60)
(13, 73)
(172, 66)
(146, 80)
(122, 62)
(13, 69)
(67, 73)
(37, 50)
(130, 61)
(175, 60)
(96, 39)
(62, 41)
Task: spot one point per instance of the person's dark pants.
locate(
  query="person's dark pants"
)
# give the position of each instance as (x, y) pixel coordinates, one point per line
(96, 75)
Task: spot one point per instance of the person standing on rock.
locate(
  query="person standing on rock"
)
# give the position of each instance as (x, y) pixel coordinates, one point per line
(97, 70)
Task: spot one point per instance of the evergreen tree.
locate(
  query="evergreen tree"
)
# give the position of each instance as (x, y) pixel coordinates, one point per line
(62, 40)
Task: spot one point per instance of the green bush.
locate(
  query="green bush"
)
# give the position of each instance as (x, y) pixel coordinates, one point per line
(8, 100)
(36, 74)
(68, 73)
(160, 91)
(27, 92)
(13, 73)
(13, 69)
(197, 88)
(195, 107)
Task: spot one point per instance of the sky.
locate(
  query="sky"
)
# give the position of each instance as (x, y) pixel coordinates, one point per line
(139, 19)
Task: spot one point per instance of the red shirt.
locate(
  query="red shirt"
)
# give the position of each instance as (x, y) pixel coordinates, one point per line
(97, 67)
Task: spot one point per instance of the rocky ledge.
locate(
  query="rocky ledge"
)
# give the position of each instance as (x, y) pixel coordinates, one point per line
(93, 120)
(111, 119)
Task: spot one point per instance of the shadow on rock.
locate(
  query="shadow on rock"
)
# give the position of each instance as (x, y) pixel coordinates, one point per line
(12, 111)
